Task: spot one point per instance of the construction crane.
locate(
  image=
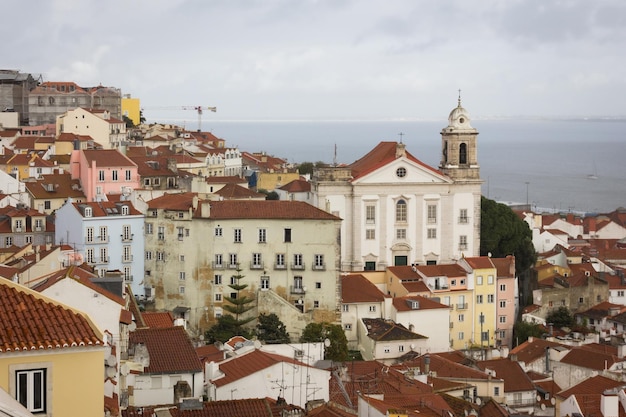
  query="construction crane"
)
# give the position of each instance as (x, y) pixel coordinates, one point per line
(199, 109)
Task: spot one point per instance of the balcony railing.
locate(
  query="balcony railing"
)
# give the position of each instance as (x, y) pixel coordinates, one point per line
(216, 265)
(297, 289)
(463, 220)
(280, 266)
(256, 265)
(463, 246)
(319, 267)
(233, 266)
(298, 266)
(461, 306)
(127, 238)
(127, 258)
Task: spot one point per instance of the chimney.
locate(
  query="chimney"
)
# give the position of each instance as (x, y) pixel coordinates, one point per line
(609, 404)
(570, 218)
(547, 360)
(592, 225)
(171, 165)
(427, 364)
(621, 350)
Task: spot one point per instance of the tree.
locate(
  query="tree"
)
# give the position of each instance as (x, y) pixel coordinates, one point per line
(240, 303)
(272, 195)
(225, 328)
(503, 233)
(561, 317)
(318, 332)
(128, 121)
(523, 330)
(271, 330)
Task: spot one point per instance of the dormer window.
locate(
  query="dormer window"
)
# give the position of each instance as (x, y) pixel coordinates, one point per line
(124, 210)
(88, 212)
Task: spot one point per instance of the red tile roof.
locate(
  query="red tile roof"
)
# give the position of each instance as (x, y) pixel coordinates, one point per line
(355, 288)
(382, 330)
(170, 350)
(234, 191)
(268, 209)
(107, 158)
(158, 319)
(423, 303)
(225, 180)
(106, 208)
(30, 321)
(249, 363)
(56, 186)
(594, 385)
(297, 186)
(531, 350)
(253, 407)
(583, 358)
(515, 379)
(381, 155)
(446, 368)
(479, 262)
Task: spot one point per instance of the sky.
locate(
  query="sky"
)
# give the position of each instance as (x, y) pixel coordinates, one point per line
(332, 59)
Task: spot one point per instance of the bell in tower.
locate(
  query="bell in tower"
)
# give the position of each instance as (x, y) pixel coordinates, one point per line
(459, 154)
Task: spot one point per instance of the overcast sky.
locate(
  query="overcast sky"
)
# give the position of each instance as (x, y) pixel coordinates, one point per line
(332, 59)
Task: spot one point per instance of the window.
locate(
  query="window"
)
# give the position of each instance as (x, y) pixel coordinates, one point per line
(180, 233)
(8, 241)
(237, 235)
(181, 289)
(318, 285)
(182, 275)
(581, 300)
(218, 231)
(490, 298)
(370, 214)
(461, 317)
(256, 260)
(345, 308)
(233, 280)
(88, 212)
(181, 214)
(479, 280)
(104, 234)
(463, 242)
(265, 283)
(127, 276)
(29, 239)
(47, 205)
(127, 175)
(218, 260)
(490, 279)
(463, 216)
(287, 235)
(114, 175)
(502, 287)
(461, 336)
(30, 389)
(126, 233)
(316, 304)
(148, 255)
(347, 326)
(232, 258)
(103, 255)
(262, 235)
(160, 256)
(280, 260)
(101, 175)
(400, 233)
(432, 233)
(401, 211)
(297, 260)
(218, 297)
(496, 391)
(484, 336)
(89, 234)
(479, 299)
(620, 293)
(502, 303)
(370, 266)
(217, 279)
(297, 284)
(370, 234)
(502, 319)
(127, 255)
(401, 348)
(90, 256)
(387, 350)
(181, 258)
(161, 234)
(432, 213)
(372, 309)
(318, 262)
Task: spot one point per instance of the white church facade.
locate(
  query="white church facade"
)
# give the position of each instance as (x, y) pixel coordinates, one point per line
(397, 210)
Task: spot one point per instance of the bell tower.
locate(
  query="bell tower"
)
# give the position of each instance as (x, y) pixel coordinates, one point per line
(459, 154)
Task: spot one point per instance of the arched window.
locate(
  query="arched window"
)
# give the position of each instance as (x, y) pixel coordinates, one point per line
(463, 154)
(401, 211)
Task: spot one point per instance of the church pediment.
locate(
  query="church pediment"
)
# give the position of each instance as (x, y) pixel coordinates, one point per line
(403, 170)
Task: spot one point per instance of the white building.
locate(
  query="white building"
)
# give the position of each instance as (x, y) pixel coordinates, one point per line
(399, 211)
(424, 316)
(108, 235)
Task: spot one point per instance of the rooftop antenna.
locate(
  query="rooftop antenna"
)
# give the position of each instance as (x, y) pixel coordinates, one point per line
(335, 156)
(401, 135)
(459, 97)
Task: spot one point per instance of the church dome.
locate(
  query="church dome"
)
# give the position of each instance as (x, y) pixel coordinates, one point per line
(459, 118)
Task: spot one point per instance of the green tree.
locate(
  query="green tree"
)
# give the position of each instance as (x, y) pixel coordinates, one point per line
(225, 328)
(271, 330)
(306, 168)
(561, 317)
(318, 332)
(272, 195)
(503, 233)
(128, 121)
(142, 119)
(523, 330)
(240, 303)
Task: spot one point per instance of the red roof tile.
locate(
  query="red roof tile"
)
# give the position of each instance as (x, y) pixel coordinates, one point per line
(158, 319)
(515, 379)
(30, 321)
(355, 288)
(170, 350)
(234, 191)
(407, 303)
(594, 385)
(107, 158)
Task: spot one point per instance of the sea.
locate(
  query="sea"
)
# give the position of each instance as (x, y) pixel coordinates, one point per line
(552, 165)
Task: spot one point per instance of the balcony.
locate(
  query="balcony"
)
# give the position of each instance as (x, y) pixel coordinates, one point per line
(295, 289)
(463, 246)
(297, 266)
(280, 266)
(102, 260)
(127, 258)
(463, 220)
(256, 265)
(216, 265)
(319, 267)
(128, 278)
(127, 238)
(102, 239)
(461, 306)
(233, 266)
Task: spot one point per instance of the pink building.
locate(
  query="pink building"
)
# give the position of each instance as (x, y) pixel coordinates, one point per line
(102, 172)
(507, 300)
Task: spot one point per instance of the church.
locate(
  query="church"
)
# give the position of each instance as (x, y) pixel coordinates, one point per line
(397, 210)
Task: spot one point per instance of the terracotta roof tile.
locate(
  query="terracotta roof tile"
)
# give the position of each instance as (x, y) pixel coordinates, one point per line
(515, 379)
(446, 368)
(30, 321)
(268, 209)
(407, 303)
(355, 288)
(107, 158)
(531, 350)
(160, 319)
(170, 350)
(225, 180)
(234, 191)
(594, 385)
(381, 330)
(297, 186)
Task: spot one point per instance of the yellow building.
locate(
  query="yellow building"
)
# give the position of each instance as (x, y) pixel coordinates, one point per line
(51, 358)
(484, 275)
(131, 108)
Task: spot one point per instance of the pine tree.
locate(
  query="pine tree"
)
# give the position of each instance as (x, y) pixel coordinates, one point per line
(239, 304)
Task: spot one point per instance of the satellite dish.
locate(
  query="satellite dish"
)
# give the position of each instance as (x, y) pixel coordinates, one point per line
(552, 401)
(478, 400)
(543, 406)
(110, 372)
(111, 360)
(124, 369)
(538, 398)
(132, 326)
(327, 342)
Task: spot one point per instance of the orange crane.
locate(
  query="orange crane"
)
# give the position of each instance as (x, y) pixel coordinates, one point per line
(199, 109)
